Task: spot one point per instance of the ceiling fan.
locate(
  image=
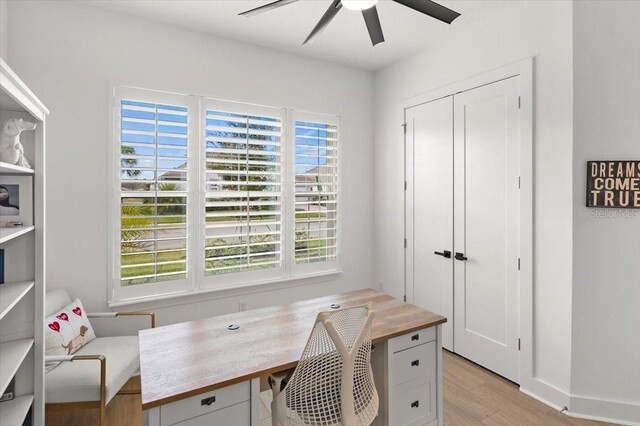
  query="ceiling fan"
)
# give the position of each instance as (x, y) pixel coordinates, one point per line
(369, 12)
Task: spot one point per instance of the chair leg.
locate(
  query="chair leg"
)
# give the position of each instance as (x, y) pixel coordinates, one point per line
(103, 415)
(103, 391)
(103, 383)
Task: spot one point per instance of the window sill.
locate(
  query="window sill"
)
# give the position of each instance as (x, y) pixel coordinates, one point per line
(174, 299)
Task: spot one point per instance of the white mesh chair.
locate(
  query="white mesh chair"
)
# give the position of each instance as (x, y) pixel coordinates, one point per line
(333, 382)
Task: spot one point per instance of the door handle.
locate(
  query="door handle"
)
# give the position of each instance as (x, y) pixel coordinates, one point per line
(446, 254)
(461, 256)
(415, 404)
(415, 363)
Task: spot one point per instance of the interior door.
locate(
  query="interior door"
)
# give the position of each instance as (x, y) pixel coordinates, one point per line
(429, 145)
(486, 215)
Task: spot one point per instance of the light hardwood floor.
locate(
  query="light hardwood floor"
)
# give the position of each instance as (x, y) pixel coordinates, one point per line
(476, 396)
(472, 396)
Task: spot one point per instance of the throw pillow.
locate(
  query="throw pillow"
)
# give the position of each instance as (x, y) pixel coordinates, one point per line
(68, 330)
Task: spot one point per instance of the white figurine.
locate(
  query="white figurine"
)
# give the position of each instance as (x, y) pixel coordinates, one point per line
(11, 150)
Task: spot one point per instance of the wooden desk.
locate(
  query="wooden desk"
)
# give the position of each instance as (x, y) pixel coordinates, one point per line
(181, 364)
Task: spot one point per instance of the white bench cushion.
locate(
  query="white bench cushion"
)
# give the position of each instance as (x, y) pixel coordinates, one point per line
(80, 380)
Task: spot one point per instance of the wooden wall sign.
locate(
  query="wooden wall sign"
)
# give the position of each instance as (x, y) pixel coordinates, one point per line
(613, 184)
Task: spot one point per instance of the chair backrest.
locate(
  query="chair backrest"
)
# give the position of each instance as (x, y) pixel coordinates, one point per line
(333, 381)
(55, 300)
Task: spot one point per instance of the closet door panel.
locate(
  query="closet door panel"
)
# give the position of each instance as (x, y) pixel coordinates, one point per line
(430, 222)
(487, 226)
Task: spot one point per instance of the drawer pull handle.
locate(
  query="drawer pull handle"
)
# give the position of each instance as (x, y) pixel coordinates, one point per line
(415, 337)
(415, 363)
(415, 404)
(208, 401)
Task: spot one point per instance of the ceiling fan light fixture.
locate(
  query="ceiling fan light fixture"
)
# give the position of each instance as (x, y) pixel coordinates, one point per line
(369, 13)
(359, 4)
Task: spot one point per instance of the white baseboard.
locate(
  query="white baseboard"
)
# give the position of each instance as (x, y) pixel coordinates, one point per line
(546, 393)
(544, 401)
(623, 413)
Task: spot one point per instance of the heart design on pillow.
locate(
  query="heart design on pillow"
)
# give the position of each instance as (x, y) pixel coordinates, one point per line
(66, 332)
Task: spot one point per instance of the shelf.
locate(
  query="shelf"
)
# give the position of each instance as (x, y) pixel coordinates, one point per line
(7, 234)
(24, 356)
(16, 96)
(10, 295)
(14, 412)
(11, 356)
(12, 169)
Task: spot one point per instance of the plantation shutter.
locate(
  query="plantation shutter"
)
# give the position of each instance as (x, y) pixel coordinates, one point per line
(243, 189)
(315, 191)
(212, 193)
(153, 150)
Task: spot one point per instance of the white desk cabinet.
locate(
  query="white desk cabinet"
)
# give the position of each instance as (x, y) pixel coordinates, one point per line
(407, 371)
(237, 404)
(238, 414)
(211, 404)
(407, 374)
(221, 387)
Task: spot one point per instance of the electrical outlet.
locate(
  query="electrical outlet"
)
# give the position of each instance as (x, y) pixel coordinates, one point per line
(242, 306)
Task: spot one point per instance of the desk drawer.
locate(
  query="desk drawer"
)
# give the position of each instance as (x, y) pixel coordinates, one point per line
(179, 411)
(411, 363)
(410, 340)
(236, 415)
(413, 403)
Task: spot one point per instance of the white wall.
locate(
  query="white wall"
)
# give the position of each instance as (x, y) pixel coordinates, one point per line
(4, 30)
(606, 271)
(69, 53)
(538, 29)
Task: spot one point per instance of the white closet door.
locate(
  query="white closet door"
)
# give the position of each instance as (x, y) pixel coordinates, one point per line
(487, 162)
(429, 145)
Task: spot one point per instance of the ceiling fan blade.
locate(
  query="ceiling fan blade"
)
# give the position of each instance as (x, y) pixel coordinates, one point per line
(373, 25)
(333, 10)
(432, 9)
(266, 7)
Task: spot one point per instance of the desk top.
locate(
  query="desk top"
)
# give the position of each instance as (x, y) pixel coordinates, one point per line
(183, 360)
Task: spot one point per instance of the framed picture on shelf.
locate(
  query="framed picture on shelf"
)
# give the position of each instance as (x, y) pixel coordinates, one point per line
(16, 200)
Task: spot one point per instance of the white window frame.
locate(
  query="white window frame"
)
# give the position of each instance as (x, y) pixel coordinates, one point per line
(235, 278)
(314, 268)
(197, 281)
(117, 291)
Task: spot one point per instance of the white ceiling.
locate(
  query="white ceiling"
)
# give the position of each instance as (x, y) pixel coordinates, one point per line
(344, 41)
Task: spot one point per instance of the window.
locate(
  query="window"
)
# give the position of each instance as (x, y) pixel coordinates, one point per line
(211, 194)
(243, 184)
(315, 190)
(152, 200)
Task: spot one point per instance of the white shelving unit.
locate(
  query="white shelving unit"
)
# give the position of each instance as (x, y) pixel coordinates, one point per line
(13, 412)
(8, 234)
(11, 294)
(12, 169)
(22, 294)
(12, 354)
